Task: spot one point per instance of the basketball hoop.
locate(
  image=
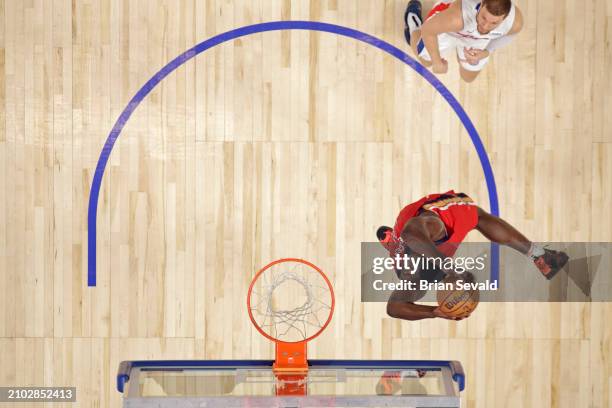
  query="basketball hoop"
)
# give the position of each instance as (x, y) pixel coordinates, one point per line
(290, 301)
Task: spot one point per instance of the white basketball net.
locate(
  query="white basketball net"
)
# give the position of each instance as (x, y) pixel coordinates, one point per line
(291, 301)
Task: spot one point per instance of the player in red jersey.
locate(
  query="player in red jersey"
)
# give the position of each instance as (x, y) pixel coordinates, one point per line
(435, 225)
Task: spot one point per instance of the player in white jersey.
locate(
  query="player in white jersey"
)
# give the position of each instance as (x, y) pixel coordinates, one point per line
(474, 28)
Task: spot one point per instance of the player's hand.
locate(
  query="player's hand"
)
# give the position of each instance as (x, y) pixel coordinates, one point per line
(440, 67)
(438, 313)
(473, 56)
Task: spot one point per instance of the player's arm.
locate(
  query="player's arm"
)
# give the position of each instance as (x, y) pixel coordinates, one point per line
(401, 306)
(408, 310)
(449, 20)
(508, 38)
(518, 22)
(420, 234)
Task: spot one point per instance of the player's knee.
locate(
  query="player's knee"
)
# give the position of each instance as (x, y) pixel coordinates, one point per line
(468, 76)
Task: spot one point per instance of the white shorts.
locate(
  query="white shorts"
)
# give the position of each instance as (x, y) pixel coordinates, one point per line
(447, 42)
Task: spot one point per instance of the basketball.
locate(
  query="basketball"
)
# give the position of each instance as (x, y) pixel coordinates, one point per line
(457, 302)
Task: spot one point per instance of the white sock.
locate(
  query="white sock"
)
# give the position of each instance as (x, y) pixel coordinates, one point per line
(414, 22)
(535, 251)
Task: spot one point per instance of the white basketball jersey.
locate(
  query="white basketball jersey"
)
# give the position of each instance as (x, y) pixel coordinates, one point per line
(469, 34)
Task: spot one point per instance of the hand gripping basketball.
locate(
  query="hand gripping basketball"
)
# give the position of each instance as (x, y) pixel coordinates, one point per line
(457, 303)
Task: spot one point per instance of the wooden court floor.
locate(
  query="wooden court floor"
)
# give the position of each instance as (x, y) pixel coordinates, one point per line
(286, 143)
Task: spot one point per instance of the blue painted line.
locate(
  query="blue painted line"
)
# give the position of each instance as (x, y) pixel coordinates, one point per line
(275, 26)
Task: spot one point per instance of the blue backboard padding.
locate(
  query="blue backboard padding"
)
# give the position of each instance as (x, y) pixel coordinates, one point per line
(123, 374)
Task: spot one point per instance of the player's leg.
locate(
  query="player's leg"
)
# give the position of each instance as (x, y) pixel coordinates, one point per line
(498, 230)
(468, 76)
(413, 20)
(548, 261)
(419, 49)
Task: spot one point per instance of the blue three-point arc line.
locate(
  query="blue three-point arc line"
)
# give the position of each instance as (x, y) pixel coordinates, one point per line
(274, 26)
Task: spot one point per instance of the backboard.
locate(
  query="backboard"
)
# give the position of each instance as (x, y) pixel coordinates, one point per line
(327, 383)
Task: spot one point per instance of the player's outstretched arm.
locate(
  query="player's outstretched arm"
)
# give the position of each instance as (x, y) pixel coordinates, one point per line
(400, 306)
(449, 20)
(409, 311)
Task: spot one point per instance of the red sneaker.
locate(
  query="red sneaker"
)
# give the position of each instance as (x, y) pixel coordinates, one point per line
(551, 262)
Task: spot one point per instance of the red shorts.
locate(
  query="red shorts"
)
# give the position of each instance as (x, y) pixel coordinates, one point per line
(457, 211)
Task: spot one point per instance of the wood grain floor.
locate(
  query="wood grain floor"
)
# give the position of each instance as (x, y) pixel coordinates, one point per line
(284, 144)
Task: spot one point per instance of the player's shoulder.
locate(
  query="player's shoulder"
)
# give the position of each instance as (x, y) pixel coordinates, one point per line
(456, 7)
(454, 14)
(517, 25)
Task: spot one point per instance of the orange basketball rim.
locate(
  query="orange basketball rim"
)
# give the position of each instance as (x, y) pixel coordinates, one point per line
(291, 301)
